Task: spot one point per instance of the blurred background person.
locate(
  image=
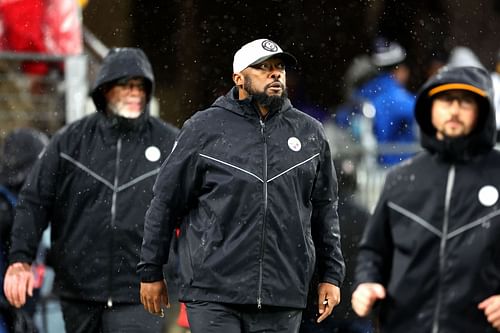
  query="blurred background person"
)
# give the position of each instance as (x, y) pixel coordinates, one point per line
(19, 153)
(393, 123)
(428, 259)
(93, 185)
(352, 219)
(495, 77)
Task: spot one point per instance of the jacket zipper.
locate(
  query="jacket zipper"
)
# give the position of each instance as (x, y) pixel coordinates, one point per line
(263, 230)
(115, 183)
(442, 247)
(113, 214)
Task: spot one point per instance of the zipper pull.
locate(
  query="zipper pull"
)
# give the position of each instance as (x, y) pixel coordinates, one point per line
(259, 303)
(110, 303)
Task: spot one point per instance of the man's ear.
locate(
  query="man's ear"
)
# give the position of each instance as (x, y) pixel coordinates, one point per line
(238, 79)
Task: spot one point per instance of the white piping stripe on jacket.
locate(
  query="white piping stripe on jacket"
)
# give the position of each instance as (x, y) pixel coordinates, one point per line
(232, 166)
(435, 231)
(104, 181)
(415, 218)
(138, 179)
(473, 224)
(254, 175)
(295, 166)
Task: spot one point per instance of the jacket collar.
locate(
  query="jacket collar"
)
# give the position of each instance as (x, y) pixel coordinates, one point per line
(114, 127)
(246, 107)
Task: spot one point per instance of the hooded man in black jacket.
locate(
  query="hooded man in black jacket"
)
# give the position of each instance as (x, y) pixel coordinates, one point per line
(431, 253)
(251, 185)
(93, 184)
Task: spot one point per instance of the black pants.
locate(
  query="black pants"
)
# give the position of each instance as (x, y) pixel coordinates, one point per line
(95, 317)
(208, 317)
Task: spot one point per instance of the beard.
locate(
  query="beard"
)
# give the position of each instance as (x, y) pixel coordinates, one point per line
(272, 102)
(120, 109)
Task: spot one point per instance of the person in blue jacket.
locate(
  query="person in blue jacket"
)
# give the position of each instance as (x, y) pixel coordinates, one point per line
(393, 122)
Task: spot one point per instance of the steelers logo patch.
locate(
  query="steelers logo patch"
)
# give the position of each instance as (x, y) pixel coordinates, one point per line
(488, 195)
(269, 45)
(294, 144)
(152, 153)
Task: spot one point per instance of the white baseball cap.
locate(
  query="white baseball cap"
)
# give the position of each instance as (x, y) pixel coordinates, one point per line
(258, 51)
(388, 53)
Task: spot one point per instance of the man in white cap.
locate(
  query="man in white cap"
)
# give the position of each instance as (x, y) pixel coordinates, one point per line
(251, 185)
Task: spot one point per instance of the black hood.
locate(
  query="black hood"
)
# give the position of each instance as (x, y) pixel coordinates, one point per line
(20, 151)
(482, 139)
(120, 63)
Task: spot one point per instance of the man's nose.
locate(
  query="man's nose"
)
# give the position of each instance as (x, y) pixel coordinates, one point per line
(455, 106)
(275, 73)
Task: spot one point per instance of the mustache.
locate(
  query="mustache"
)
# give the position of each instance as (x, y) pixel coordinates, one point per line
(455, 120)
(282, 86)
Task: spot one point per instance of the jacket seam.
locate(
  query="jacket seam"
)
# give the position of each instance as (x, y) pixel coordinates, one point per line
(138, 179)
(435, 231)
(232, 166)
(87, 170)
(293, 167)
(415, 218)
(106, 182)
(252, 174)
(473, 224)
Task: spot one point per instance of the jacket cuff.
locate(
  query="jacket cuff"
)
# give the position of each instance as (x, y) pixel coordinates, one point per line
(333, 281)
(151, 274)
(13, 258)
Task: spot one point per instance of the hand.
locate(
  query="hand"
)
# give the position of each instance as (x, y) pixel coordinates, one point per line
(491, 308)
(154, 297)
(365, 295)
(328, 298)
(19, 281)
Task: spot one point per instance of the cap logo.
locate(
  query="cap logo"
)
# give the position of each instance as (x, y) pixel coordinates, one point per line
(269, 45)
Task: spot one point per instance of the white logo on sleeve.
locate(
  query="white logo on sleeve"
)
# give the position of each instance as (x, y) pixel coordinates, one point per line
(294, 144)
(152, 153)
(488, 195)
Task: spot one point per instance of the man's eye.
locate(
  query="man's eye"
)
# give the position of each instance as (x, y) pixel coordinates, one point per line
(268, 67)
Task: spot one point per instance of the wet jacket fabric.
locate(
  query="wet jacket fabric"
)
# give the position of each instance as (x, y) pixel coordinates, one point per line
(94, 184)
(433, 238)
(256, 204)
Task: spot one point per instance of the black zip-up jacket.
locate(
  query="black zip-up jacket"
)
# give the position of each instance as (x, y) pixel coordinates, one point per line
(433, 240)
(257, 205)
(94, 184)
